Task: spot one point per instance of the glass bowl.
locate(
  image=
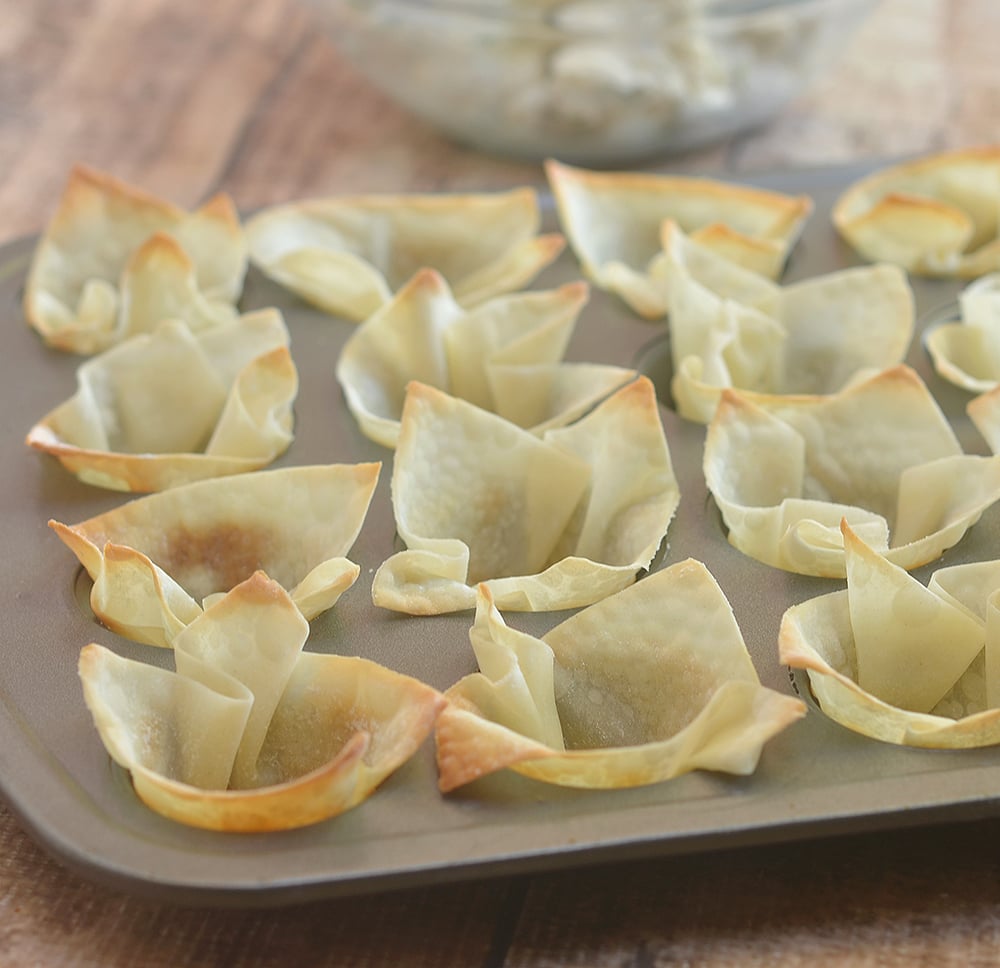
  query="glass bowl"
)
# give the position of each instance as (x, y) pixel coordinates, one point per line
(591, 82)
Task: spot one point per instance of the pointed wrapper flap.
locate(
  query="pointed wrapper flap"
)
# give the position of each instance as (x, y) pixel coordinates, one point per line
(643, 686)
(613, 222)
(253, 635)
(152, 716)
(349, 255)
(171, 406)
(899, 628)
(160, 282)
(155, 559)
(80, 294)
(936, 215)
(307, 736)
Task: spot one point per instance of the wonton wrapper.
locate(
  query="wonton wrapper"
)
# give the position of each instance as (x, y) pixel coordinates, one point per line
(546, 523)
(154, 559)
(938, 215)
(251, 734)
(115, 261)
(730, 327)
(967, 352)
(349, 255)
(784, 471)
(171, 406)
(903, 663)
(648, 684)
(613, 222)
(504, 356)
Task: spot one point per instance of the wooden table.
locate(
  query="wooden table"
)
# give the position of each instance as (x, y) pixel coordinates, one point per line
(185, 97)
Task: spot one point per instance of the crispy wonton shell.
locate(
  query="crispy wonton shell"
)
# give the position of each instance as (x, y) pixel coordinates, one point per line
(115, 261)
(730, 327)
(155, 560)
(503, 355)
(938, 215)
(349, 255)
(613, 222)
(647, 684)
(900, 662)
(557, 521)
(966, 352)
(784, 471)
(171, 406)
(251, 734)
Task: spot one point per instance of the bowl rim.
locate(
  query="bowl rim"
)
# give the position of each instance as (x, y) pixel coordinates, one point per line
(629, 16)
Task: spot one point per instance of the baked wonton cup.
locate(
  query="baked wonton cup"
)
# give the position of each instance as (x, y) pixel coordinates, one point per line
(938, 215)
(899, 661)
(966, 352)
(643, 686)
(731, 328)
(503, 355)
(613, 220)
(785, 471)
(250, 733)
(349, 255)
(550, 522)
(171, 406)
(115, 261)
(156, 560)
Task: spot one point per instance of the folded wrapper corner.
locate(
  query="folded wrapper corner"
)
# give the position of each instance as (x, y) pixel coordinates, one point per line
(784, 471)
(613, 221)
(899, 661)
(250, 733)
(550, 522)
(157, 560)
(348, 255)
(730, 327)
(936, 215)
(171, 406)
(966, 351)
(115, 261)
(648, 684)
(503, 356)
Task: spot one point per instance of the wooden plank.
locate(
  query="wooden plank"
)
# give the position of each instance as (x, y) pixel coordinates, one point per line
(914, 897)
(49, 916)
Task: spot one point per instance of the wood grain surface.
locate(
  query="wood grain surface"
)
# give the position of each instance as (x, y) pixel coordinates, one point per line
(185, 97)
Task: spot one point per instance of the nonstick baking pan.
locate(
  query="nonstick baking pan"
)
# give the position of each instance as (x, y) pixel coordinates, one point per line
(816, 778)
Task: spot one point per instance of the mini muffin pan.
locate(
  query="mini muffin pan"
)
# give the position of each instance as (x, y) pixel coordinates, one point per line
(816, 778)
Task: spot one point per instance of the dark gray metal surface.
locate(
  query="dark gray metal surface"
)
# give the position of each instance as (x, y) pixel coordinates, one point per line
(816, 778)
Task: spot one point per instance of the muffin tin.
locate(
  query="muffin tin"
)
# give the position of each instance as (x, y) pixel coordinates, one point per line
(816, 778)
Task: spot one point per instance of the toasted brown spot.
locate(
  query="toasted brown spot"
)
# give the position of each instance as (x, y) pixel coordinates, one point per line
(216, 559)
